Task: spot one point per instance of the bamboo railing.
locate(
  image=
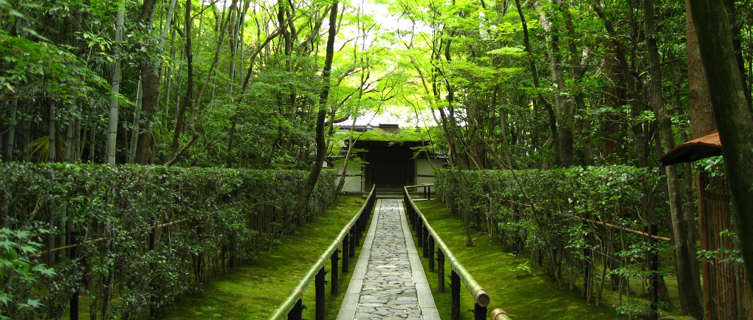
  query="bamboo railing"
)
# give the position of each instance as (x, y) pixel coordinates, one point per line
(349, 236)
(428, 239)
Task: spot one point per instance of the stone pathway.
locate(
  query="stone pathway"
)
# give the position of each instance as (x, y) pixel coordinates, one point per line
(387, 283)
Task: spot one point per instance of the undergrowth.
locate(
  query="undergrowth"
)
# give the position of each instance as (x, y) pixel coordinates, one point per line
(254, 291)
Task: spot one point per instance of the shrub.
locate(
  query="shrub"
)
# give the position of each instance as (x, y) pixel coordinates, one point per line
(574, 219)
(145, 234)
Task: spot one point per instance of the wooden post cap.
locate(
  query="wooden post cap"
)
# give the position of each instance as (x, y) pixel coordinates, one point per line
(499, 314)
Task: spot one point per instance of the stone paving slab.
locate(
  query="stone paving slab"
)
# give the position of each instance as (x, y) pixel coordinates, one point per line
(389, 281)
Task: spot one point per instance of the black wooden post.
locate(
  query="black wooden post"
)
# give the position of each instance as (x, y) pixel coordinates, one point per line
(440, 271)
(479, 312)
(352, 246)
(653, 258)
(420, 233)
(319, 283)
(426, 242)
(297, 312)
(431, 254)
(455, 290)
(346, 252)
(357, 233)
(333, 267)
(429, 193)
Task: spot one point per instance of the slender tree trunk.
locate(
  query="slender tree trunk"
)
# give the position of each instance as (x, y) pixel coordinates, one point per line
(69, 145)
(687, 271)
(52, 131)
(539, 100)
(563, 144)
(188, 99)
(77, 139)
(112, 128)
(150, 80)
(135, 125)
(701, 124)
(733, 115)
(321, 145)
(10, 142)
(222, 29)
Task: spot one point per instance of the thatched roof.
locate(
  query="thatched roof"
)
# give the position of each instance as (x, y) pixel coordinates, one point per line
(703, 147)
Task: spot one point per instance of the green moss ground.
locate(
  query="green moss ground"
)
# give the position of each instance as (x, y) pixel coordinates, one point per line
(254, 291)
(523, 295)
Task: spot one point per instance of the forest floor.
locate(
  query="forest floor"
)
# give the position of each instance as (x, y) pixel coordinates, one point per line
(254, 291)
(524, 291)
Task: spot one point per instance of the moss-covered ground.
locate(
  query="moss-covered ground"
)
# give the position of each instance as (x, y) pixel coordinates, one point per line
(254, 291)
(523, 294)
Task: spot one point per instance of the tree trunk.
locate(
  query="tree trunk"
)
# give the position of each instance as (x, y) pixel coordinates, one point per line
(321, 146)
(135, 125)
(112, 128)
(734, 117)
(701, 112)
(564, 140)
(10, 142)
(188, 98)
(150, 85)
(539, 100)
(52, 131)
(222, 29)
(701, 124)
(687, 269)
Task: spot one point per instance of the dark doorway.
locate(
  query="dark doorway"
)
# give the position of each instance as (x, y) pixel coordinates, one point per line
(389, 166)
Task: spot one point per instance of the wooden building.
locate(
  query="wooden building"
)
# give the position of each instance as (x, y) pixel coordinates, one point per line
(388, 157)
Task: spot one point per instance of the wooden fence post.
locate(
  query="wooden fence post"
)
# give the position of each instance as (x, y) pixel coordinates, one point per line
(431, 254)
(297, 312)
(479, 312)
(440, 271)
(320, 303)
(420, 233)
(346, 252)
(333, 268)
(352, 247)
(426, 241)
(455, 291)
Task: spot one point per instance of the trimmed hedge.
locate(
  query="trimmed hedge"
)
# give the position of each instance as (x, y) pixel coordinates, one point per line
(148, 234)
(554, 216)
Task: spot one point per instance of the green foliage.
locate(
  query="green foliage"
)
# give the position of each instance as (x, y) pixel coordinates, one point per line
(514, 283)
(551, 214)
(405, 135)
(253, 291)
(149, 233)
(18, 273)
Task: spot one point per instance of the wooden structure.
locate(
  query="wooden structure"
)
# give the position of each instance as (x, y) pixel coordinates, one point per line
(726, 295)
(387, 163)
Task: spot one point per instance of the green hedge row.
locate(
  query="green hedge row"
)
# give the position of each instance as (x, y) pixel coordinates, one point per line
(559, 217)
(149, 233)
